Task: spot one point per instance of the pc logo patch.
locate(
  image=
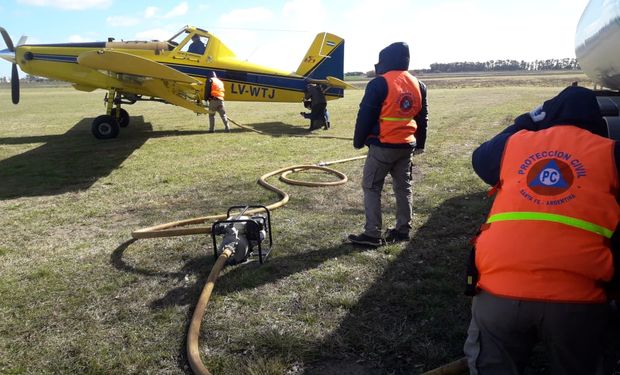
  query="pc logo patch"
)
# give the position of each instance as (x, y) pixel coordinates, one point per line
(405, 102)
(550, 177)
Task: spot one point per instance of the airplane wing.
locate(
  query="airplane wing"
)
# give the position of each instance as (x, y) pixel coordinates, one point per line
(121, 62)
(159, 74)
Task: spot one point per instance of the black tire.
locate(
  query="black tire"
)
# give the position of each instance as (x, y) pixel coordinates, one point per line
(123, 119)
(105, 127)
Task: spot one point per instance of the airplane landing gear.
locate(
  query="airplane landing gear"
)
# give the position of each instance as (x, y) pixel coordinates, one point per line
(105, 127)
(122, 118)
(108, 126)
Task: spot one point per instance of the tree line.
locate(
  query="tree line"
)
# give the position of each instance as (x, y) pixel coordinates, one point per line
(493, 66)
(505, 65)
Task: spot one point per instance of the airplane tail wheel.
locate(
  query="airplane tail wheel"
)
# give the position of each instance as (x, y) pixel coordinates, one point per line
(105, 127)
(123, 119)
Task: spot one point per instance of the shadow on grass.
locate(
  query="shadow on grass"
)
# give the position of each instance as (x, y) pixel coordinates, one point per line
(278, 129)
(412, 319)
(71, 161)
(246, 276)
(415, 316)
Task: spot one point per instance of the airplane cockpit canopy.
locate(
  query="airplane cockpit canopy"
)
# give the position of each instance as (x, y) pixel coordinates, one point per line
(189, 40)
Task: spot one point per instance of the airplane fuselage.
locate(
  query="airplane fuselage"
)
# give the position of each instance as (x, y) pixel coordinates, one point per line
(243, 81)
(175, 71)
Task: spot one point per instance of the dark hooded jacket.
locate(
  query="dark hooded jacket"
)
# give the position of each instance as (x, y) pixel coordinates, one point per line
(575, 106)
(393, 57)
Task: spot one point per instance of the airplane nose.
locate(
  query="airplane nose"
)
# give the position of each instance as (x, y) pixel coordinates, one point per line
(7, 55)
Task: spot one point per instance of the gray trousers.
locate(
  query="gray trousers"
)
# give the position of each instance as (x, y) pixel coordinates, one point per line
(379, 162)
(503, 332)
(216, 105)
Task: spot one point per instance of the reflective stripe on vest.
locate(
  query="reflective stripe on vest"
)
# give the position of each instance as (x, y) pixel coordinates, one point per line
(552, 218)
(402, 103)
(395, 119)
(541, 216)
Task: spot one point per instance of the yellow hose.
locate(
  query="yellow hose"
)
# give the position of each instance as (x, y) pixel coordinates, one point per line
(193, 352)
(182, 227)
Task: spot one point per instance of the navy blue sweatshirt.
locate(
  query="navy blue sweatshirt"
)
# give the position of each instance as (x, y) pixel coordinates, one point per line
(393, 57)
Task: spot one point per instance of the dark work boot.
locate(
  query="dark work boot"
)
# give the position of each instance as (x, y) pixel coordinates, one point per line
(392, 235)
(365, 240)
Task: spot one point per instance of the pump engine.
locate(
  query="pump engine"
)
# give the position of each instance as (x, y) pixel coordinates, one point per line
(243, 234)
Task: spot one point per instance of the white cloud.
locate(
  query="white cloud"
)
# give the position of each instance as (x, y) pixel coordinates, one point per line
(179, 10)
(246, 17)
(77, 39)
(156, 34)
(295, 14)
(262, 37)
(151, 12)
(69, 4)
(122, 21)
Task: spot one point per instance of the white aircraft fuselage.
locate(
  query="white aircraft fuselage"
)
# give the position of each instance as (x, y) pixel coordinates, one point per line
(597, 42)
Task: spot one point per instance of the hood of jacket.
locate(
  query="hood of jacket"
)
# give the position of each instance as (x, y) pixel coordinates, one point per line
(572, 106)
(393, 57)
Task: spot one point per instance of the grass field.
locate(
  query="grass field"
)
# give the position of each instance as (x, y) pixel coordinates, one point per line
(78, 296)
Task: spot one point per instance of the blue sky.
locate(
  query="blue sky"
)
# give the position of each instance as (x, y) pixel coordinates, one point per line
(277, 33)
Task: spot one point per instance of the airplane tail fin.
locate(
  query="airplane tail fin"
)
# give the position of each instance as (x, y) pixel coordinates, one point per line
(325, 58)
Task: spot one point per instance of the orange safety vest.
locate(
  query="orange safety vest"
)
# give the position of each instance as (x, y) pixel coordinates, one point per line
(217, 88)
(548, 234)
(402, 104)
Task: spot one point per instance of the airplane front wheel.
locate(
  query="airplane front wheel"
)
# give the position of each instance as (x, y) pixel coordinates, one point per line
(105, 127)
(123, 118)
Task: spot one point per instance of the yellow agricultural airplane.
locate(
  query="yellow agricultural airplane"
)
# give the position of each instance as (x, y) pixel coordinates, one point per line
(167, 71)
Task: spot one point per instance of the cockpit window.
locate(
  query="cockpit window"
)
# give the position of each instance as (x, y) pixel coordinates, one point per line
(196, 44)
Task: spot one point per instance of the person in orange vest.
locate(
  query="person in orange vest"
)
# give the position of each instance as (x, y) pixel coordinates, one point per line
(391, 121)
(545, 258)
(215, 88)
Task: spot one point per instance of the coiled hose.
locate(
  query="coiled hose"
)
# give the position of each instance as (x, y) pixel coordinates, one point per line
(197, 226)
(189, 226)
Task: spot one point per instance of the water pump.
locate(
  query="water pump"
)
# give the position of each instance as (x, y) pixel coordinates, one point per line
(243, 234)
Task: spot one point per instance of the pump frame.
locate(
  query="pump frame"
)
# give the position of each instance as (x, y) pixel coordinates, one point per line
(252, 230)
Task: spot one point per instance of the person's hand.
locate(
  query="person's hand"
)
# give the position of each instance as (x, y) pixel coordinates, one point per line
(418, 151)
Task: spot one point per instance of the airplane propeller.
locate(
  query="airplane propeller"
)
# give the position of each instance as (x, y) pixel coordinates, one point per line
(14, 85)
(11, 57)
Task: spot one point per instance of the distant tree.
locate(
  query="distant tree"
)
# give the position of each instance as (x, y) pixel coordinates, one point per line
(505, 65)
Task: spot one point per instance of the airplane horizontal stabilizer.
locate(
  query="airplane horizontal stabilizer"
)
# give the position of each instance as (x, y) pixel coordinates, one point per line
(121, 62)
(333, 82)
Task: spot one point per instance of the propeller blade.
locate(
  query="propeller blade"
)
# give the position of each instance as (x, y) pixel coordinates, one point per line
(7, 39)
(22, 40)
(14, 85)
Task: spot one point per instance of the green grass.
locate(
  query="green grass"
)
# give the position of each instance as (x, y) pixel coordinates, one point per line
(78, 296)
